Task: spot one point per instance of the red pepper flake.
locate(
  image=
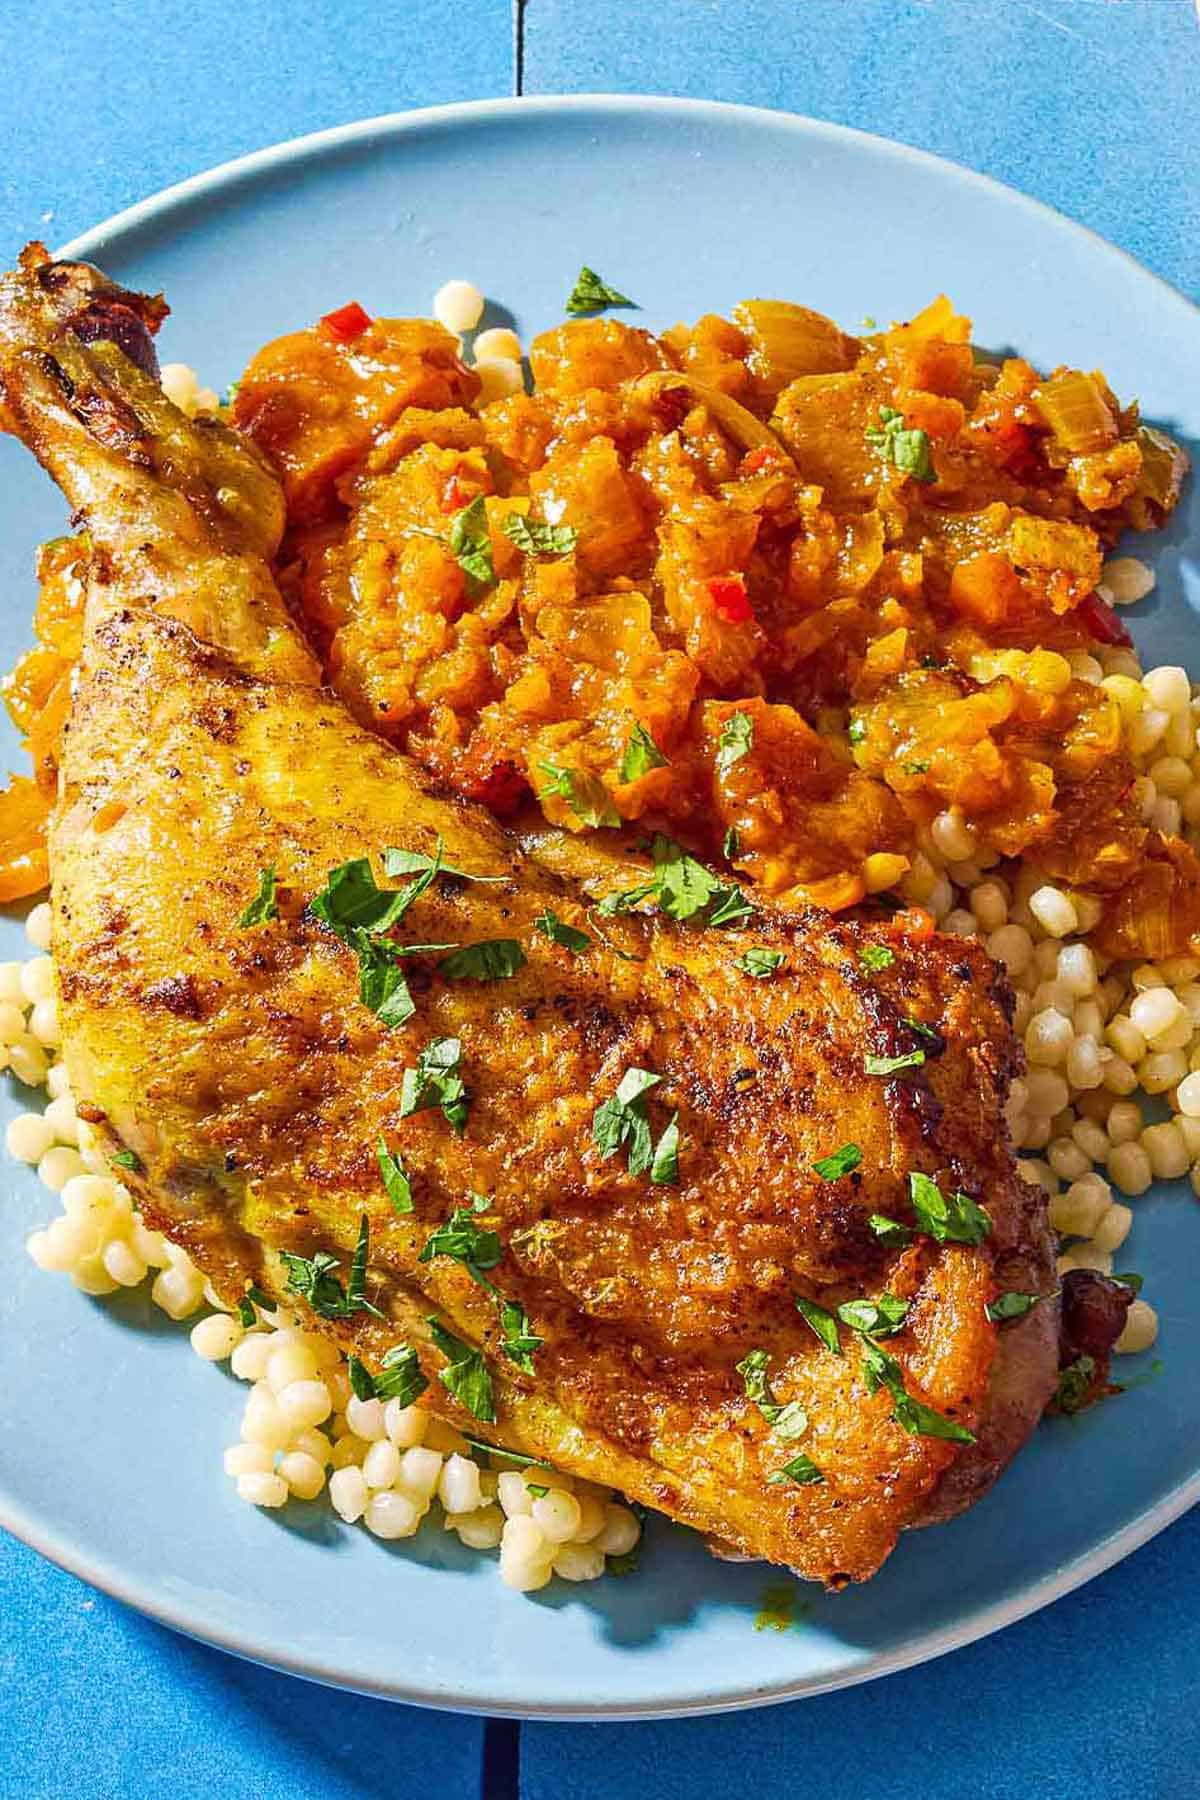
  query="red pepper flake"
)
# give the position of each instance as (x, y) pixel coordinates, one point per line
(1101, 622)
(453, 498)
(757, 459)
(914, 923)
(345, 324)
(729, 596)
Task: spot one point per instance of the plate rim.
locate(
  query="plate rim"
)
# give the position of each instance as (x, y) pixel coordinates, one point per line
(191, 1620)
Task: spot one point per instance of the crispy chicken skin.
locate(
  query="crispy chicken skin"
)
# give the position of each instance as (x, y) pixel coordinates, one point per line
(241, 1068)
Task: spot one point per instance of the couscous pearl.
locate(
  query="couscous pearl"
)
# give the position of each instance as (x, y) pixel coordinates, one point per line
(989, 904)
(952, 836)
(498, 342)
(304, 1403)
(1079, 1211)
(216, 1337)
(1076, 969)
(263, 1423)
(27, 1060)
(1161, 1070)
(11, 991)
(391, 1515)
(1038, 1173)
(28, 1137)
(621, 1531)
(1012, 946)
(38, 925)
(479, 1530)
(314, 1443)
(58, 1082)
(303, 1473)
(1091, 1138)
(1088, 1020)
(263, 1490)
(1086, 1256)
(91, 1277)
(498, 378)
(1129, 1167)
(1166, 1149)
(960, 923)
(579, 1562)
(1169, 688)
(349, 1493)
(249, 1360)
(1119, 1077)
(1067, 1159)
(43, 1023)
(1189, 1131)
(1054, 911)
(151, 1246)
(123, 1264)
(61, 1118)
(37, 979)
(1048, 1037)
(405, 1425)
(365, 1417)
(1145, 731)
(381, 1464)
(523, 1538)
(1155, 1011)
(1113, 1228)
(338, 1383)
(458, 1485)
(513, 1494)
(349, 1451)
(419, 1470)
(1036, 1134)
(1047, 1092)
(1085, 1063)
(289, 1363)
(458, 305)
(1127, 580)
(557, 1515)
(1141, 1329)
(39, 1248)
(591, 1518)
(248, 1459)
(60, 1165)
(177, 1292)
(1172, 776)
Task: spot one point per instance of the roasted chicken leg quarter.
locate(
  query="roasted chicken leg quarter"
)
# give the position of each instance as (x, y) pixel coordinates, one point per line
(296, 1065)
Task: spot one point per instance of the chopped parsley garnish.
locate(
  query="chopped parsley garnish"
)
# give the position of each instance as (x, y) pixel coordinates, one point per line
(352, 900)
(822, 1322)
(857, 731)
(395, 1180)
(127, 1159)
(592, 294)
(471, 546)
(463, 1239)
(536, 1489)
(928, 1032)
(536, 539)
(263, 905)
(312, 1278)
(682, 887)
(802, 1470)
(919, 767)
(832, 1168)
(401, 1377)
(496, 959)
(908, 449)
(788, 1421)
(518, 1341)
(879, 1318)
(584, 793)
(513, 1456)
(435, 1082)
(621, 1123)
(381, 983)
(732, 845)
(890, 1232)
(731, 908)
(1012, 1305)
(1075, 1384)
(735, 741)
(876, 957)
(869, 323)
(912, 1415)
(466, 1374)
(417, 862)
(1131, 1281)
(892, 1065)
(641, 755)
(759, 962)
(556, 929)
(259, 1298)
(957, 1219)
(247, 1316)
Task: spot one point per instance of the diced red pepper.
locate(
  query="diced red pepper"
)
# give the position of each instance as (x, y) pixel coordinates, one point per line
(1101, 622)
(502, 788)
(914, 923)
(729, 596)
(757, 459)
(453, 498)
(345, 324)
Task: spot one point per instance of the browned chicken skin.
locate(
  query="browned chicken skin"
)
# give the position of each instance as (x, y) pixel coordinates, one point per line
(240, 1067)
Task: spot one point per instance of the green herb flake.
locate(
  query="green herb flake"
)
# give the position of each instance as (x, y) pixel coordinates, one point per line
(841, 1162)
(1012, 1305)
(880, 1318)
(790, 1421)
(907, 449)
(495, 959)
(584, 793)
(401, 1377)
(622, 1123)
(874, 958)
(518, 1340)
(664, 1169)
(624, 1564)
(361, 1379)
(417, 862)
(382, 986)
(263, 906)
(892, 1065)
(911, 1415)
(537, 539)
(641, 755)
(569, 936)
(259, 1298)
(466, 1374)
(464, 1240)
(395, 1180)
(955, 1219)
(919, 767)
(802, 1470)
(352, 900)
(246, 1313)
(735, 741)
(890, 1232)
(592, 294)
(312, 1278)
(126, 1159)
(822, 1323)
(536, 1489)
(471, 546)
(731, 848)
(435, 1082)
(760, 963)
(1075, 1384)
(858, 731)
(1135, 1282)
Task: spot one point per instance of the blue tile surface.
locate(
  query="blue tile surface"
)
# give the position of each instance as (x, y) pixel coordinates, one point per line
(1090, 105)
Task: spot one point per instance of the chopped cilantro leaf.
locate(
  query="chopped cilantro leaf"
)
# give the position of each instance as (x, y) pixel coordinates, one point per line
(735, 741)
(361, 1379)
(732, 845)
(471, 546)
(592, 294)
(1012, 1305)
(536, 1489)
(1131, 1281)
(569, 936)
(857, 731)
(463, 1239)
(435, 1082)
(312, 1278)
(908, 450)
(665, 1166)
(832, 1168)
(881, 1318)
(416, 862)
(621, 1123)
(584, 793)
(536, 539)
(466, 1374)
(641, 755)
(126, 1159)
(263, 906)
(247, 1316)
(876, 957)
(890, 1231)
(395, 1180)
(1075, 1384)
(789, 1421)
(912, 1415)
(401, 1377)
(496, 959)
(759, 962)
(919, 767)
(802, 1470)
(822, 1322)
(381, 983)
(518, 1341)
(352, 900)
(892, 1065)
(957, 1219)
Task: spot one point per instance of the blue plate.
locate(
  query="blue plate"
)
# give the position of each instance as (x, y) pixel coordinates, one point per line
(113, 1430)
